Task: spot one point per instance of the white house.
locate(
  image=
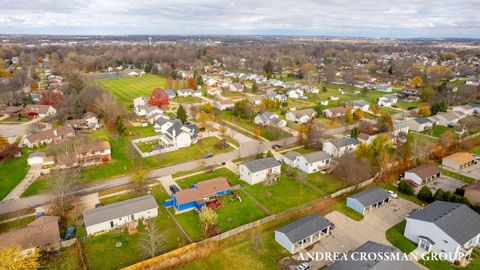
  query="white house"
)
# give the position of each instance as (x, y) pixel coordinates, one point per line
(210, 81)
(387, 101)
(259, 170)
(269, 119)
(301, 116)
(140, 101)
(41, 111)
(400, 127)
(223, 104)
(310, 89)
(445, 227)
(276, 96)
(446, 119)
(308, 163)
(214, 91)
(118, 214)
(48, 136)
(303, 232)
(466, 109)
(420, 124)
(360, 104)
(324, 102)
(333, 98)
(235, 87)
(295, 93)
(338, 147)
(422, 174)
(185, 92)
(383, 88)
(334, 112)
(175, 133)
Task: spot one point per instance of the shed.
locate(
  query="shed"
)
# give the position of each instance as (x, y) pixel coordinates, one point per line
(368, 199)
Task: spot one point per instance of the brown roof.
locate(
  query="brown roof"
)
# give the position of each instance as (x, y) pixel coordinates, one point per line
(13, 109)
(337, 110)
(461, 158)
(40, 109)
(92, 147)
(203, 189)
(225, 101)
(300, 113)
(425, 171)
(41, 232)
(363, 136)
(60, 131)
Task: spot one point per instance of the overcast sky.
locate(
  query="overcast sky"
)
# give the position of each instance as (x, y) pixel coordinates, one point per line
(373, 18)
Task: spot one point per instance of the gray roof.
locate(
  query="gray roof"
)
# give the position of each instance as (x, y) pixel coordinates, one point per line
(352, 261)
(316, 156)
(371, 196)
(304, 227)
(170, 93)
(422, 120)
(360, 103)
(342, 142)
(292, 155)
(119, 209)
(261, 164)
(455, 219)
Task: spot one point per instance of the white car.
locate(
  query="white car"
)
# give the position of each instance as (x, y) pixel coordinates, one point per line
(303, 266)
(392, 194)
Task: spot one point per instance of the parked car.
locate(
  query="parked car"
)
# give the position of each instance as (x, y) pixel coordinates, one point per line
(98, 205)
(477, 157)
(303, 266)
(332, 226)
(208, 155)
(174, 189)
(392, 194)
(276, 146)
(411, 183)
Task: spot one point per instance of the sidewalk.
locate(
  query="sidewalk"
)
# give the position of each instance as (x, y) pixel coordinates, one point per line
(32, 174)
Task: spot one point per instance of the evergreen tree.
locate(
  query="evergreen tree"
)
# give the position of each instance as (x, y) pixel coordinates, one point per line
(254, 87)
(354, 133)
(182, 114)
(119, 126)
(268, 68)
(406, 188)
(439, 195)
(425, 194)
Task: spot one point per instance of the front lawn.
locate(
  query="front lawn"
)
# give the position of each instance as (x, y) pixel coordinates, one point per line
(444, 265)
(395, 237)
(436, 131)
(284, 194)
(37, 187)
(232, 178)
(189, 99)
(12, 172)
(126, 89)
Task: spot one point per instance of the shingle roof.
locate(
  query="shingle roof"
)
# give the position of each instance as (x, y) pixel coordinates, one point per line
(40, 232)
(316, 156)
(202, 190)
(119, 209)
(455, 219)
(461, 158)
(292, 155)
(60, 131)
(425, 171)
(342, 142)
(261, 164)
(422, 120)
(371, 196)
(304, 227)
(369, 247)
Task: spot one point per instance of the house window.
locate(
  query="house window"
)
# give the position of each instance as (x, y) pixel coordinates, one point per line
(445, 241)
(111, 224)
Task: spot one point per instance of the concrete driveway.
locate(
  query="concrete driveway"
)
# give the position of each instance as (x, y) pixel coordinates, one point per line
(444, 182)
(472, 171)
(350, 234)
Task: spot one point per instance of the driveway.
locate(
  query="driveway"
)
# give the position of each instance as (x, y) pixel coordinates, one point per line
(32, 174)
(350, 234)
(472, 171)
(444, 182)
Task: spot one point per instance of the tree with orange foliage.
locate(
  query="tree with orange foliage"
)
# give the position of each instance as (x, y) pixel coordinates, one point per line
(376, 110)
(416, 82)
(191, 83)
(257, 131)
(169, 82)
(424, 111)
(358, 114)
(51, 98)
(348, 115)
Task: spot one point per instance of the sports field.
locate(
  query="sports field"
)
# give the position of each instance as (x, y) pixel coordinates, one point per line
(128, 88)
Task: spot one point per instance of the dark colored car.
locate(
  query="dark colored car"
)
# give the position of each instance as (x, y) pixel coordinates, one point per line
(208, 155)
(174, 189)
(276, 146)
(98, 205)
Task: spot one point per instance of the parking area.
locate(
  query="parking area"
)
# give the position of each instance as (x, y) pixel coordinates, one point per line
(472, 171)
(350, 234)
(444, 182)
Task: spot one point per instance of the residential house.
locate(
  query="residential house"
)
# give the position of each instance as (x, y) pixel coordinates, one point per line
(445, 227)
(420, 124)
(365, 138)
(259, 170)
(369, 199)
(387, 101)
(179, 135)
(224, 104)
(476, 108)
(334, 112)
(214, 92)
(48, 136)
(41, 111)
(446, 119)
(338, 147)
(89, 120)
(400, 127)
(324, 102)
(185, 92)
(256, 100)
(170, 93)
(93, 153)
(465, 109)
(196, 93)
(236, 87)
(210, 81)
(118, 214)
(472, 193)
(459, 160)
(140, 101)
(199, 195)
(352, 261)
(43, 233)
(423, 174)
(383, 88)
(333, 98)
(269, 119)
(301, 116)
(310, 89)
(295, 93)
(308, 163)
(302, 233)
(360, 104)
(276, 96)
(12, 110)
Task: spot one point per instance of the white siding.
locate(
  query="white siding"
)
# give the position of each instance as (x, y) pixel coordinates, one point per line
(119, 222)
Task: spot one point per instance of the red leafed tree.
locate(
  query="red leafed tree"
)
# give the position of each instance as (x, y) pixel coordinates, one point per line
(51, 98)
(158, 98)
(191, 83)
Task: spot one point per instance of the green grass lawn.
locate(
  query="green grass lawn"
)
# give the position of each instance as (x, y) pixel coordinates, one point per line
(325, 182)
(37, 187)
(120, 197)
(436, 131)
(476, 150)
(19, 223)
(284, 194)
(190, 223)
(187, 99)
(461, 177)
(66, 260)
(100, 251)
(17, 168)
(444, 265)
(341, 206)
(126, 89)
(395, 237)
(232, 178)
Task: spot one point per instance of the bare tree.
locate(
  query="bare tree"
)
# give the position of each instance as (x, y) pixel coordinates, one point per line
(352, 170)
(62, 186)
(420, 148)
(152, 241)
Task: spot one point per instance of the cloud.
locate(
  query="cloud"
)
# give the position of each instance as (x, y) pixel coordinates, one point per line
(407, 18)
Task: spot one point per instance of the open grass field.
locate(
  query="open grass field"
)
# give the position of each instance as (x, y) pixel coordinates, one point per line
(232, 178)
(325, 182)
(12, 172)
(436, 131)
(126, 89)
(395, 237)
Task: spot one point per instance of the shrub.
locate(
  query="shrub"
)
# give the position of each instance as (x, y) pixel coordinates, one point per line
(406, 188)
(439, 195)
(425, 194)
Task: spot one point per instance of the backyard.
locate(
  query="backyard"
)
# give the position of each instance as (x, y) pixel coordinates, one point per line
(126, 89)
(17, 168)
(436, 131)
